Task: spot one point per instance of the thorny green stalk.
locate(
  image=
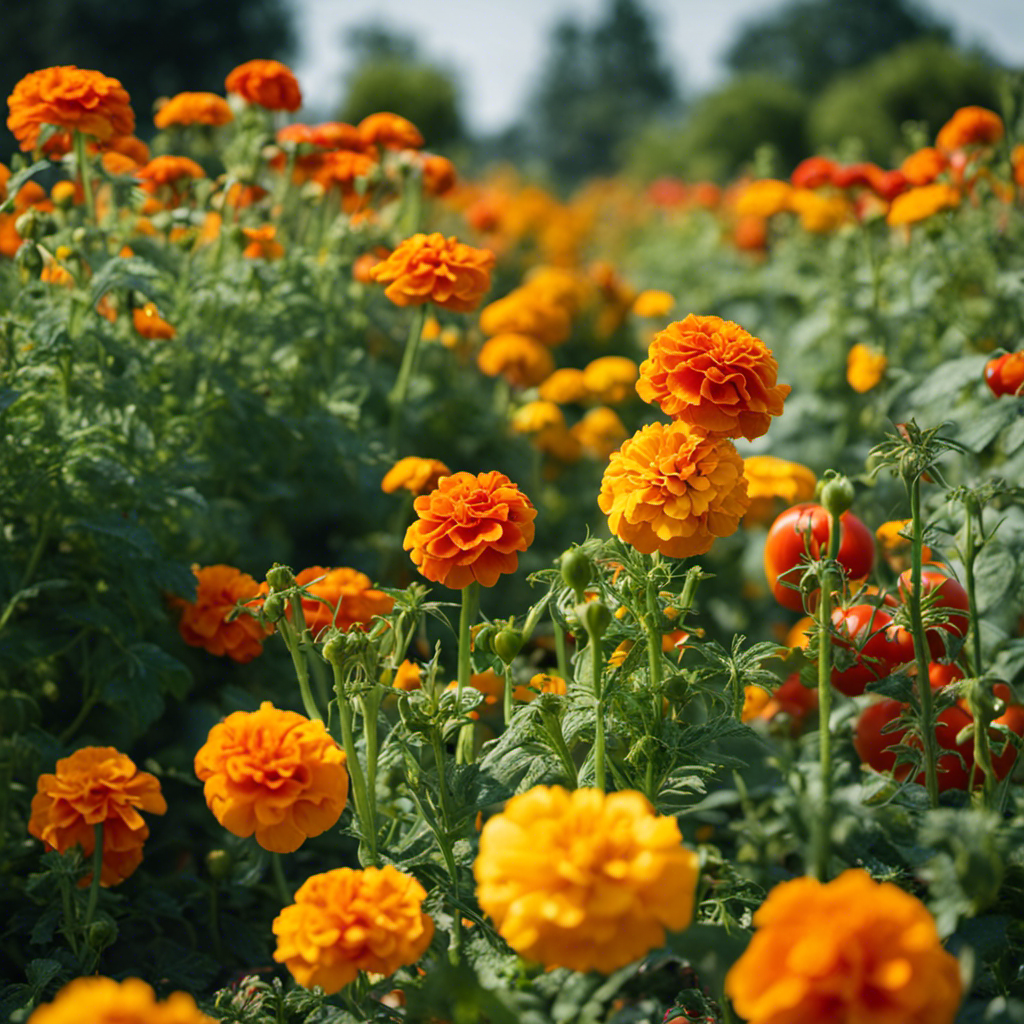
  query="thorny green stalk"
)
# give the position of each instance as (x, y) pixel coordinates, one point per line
(97, 871)
(924, 689)
(367, 822)
(464, 753)
(82, 166)
(396, 399)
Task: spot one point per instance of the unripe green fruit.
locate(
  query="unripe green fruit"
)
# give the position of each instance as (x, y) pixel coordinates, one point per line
(280, 577)
(837, 495)
(508, 643)
(595, 616)
(577, 570)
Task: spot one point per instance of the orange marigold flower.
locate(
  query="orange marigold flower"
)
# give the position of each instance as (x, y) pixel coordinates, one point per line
(850, 949)
(673, 489)
(274, 774)
(653, 303)
(56, 273)
(97, 786)
(491, 685)
(167, 171)
(919, 204)
(414, 474)
(204, 622)
(924, 166)
(565, 386)
(750, 234)
(408, 676)
(341, 168)
(546, 682)
(392, 131)
(523, 361)
(894, 539)
(537, 417)
(105, 1001)
(819, 214)
(813, 172)
(5, 175)
(117, 164)
(865, 367)
(771, 480)
(150, 324)
(600, 432)
(439, 174)
(188, 108)
(526, 311)
(363, 266)
(431, 268)
(127, 145)
(10, 240)
(470, 529)
(262, 244)
(763, 198)
(335, 135)
(713, 374)
(346, 921)
(351, 599)
(266, 83)
(1017, 163)
(586, 880)
(239, 196)
(970, 126)
(610, 379)
(70, 98)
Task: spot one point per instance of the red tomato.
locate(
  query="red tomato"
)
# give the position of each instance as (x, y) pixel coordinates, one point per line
(952, 596)
(877, 647)
(871, 744)
(1005, 374)
(803, 529)
(942, 675)
(1013, 719)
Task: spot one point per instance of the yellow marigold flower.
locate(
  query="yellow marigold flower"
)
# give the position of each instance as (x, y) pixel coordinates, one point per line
(414, 474)
(565, 386)
(653, 303)
(763, 198)
(924, 166)
(714, 375)
(865, 367)
(559, 286)
(262, 244)
(521, 360)
(919, 204)
(537, 417)
(546, 682)
(848, 950)
(894, 539)
(193, 108)
(346, 921)
(97, 786)
(970, 126)
(105, 1001)
(673, 489)
(819, 214)
(610, 379)
(408, 676)
(770, 480)
(525, 311)
(586, 880)
(431, 268)
(274, 774)
(600, 432)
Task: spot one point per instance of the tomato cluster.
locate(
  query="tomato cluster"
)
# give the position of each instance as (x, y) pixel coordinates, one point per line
(1005, 374)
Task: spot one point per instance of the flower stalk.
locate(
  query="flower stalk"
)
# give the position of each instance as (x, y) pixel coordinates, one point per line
(464, 752)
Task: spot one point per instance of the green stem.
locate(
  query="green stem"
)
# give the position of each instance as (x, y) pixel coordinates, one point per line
(506, 697)
(437, 744)
(654, 663)
(561, 652)
(70, 918)
(355, 769)
(599, 739)
(553, 727)
(277, 868)
(82, 166)
(30, 568)
(970, 555)
(297, 649)
(369, 704)
(924, 689)
(396, 399)
(97, 871)
(464, 748)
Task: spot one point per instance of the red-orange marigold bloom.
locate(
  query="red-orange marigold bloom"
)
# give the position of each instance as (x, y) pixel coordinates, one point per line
(713, 374)
(150, 324)
(351, 596)
(392, 131)
(673, 489)
(168, 171)
(470, 529)
(813, 172)
(970, 126)
(439, 174)
(117, 164)
(203, 623)
(97, 786)
(408, 676)
(189, 108)
(432, 268)
(273, 774)
(105, 1001)
(849, 950)
(239, 195)
(923, 166)
(339, 169)
(414, 474)
(262, 244)
(335, 135)
(70, 98)
(267, 83)
(346, 921)
(521, 360)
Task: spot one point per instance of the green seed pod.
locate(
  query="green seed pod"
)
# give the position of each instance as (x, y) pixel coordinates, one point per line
(101, 933)
(577, 570)
(837, 495)
(274, 607)
(595, 616)
(219, 864)
(280, 577)
(507, 644)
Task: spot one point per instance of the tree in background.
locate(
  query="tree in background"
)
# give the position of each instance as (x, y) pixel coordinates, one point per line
(598, 88)
(924, 82)
(391, 74)
(154, 49)
(810, 42)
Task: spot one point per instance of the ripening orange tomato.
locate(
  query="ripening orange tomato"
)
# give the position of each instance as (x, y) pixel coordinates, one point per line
(880, 648)
(801, 532)
(951, 596)
(1005, 374)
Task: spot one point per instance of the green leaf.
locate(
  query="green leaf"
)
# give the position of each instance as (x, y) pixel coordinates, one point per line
(948, 379)
(994, 571)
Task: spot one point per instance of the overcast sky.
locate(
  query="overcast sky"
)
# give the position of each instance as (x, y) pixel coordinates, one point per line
(497, 47)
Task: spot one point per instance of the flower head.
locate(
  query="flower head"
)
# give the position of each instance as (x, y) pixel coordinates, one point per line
(526, 311)
(470, 528)
(414, 474)
(105, 1001)
(923, 166)
(266, 83)
(392, 131)
(263, 244)
(600, 432)
(150, 324)
(346, 921)
(439, 174)
(565, 386)
(653, 303)
(274, 774)
(350, 595)
(97, 786)
(770, 480)
(204, 622)
(610, 379)
(340, 169)
(408, 676)
(189, 108)
(673, 489)
(919, 204)
(431, 268)
(713, 374)
(520, 359)
(584, 880)
(168, 171)
(970, 126)
(70, 98)
(865, 367)
(848, 950)
(763, 198)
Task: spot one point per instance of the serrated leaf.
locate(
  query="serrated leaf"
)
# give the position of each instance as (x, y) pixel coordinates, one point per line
(994, 571)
